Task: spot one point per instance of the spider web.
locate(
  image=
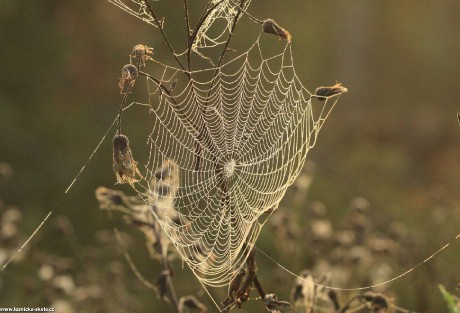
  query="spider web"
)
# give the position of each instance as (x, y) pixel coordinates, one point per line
(224, 145)
(229, 141)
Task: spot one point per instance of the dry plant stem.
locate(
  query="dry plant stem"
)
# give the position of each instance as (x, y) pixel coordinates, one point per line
(168, 92)
(203, 17)
(168, 43)
(167, 268)
(253, 18)
(202, 134)
(259, 288)
(235, 20)
(223, 186)
(125, 97)
(347, 305)
(187, 24)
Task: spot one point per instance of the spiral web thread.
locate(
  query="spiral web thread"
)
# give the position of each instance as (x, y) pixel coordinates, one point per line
(229, 141)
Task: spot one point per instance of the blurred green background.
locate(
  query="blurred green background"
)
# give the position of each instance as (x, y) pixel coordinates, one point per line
(393, 139)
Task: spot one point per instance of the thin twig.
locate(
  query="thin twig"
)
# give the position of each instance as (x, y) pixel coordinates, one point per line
(235, 21)
(205, 133)
(204, 110)
(259, 288)
(187, 23)
(167, 269)
(125, 97)
(347, 305)
(253, 18)
(168, 43)
(164, 89)
(208, 10)
(229, 38)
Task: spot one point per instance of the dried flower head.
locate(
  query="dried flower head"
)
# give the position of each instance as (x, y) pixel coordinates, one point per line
(128, 77)
(269, 26)
(124, 166)
(322, 93)
(142, 54)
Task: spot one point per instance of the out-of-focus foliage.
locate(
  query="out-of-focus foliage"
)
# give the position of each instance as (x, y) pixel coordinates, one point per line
(394, 140)
(452, 302)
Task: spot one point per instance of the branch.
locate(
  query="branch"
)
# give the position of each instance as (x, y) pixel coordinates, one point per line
(168, 43)
(203, 17)
(187, 23)
(235, 20)
(167, 271)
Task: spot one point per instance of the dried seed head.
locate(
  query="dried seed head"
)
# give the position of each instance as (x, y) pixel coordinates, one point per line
(322, 93)
(124, 166)
(269, 26)
(141, 53)
(129, 71)
(128, 77)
